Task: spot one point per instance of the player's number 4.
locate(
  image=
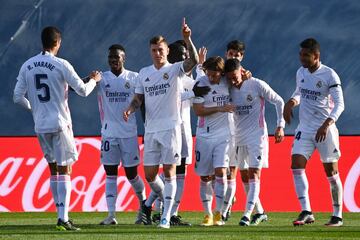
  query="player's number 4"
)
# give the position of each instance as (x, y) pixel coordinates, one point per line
(45, 96)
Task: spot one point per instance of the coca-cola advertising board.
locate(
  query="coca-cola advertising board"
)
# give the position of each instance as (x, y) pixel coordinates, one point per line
(24, 179)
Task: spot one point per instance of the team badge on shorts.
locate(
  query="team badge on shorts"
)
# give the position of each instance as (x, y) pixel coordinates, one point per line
(127, 85)
(166, 76)
(319, 84)
(249, 98)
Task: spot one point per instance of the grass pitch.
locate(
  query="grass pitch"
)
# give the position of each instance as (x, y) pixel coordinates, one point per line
(42, 226)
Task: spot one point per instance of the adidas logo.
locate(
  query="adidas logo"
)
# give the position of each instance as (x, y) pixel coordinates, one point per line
(259, 158)
(61, 205)
(214, 92)
(147, 80)
(176, 156)
(136, 158)
(107, 86)
(302, 80)
(335, 150)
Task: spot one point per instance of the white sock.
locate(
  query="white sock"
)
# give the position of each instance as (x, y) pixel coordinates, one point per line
(302, 188)
(252, 196)
(169, 195)
(157, 186)
(138, 185)
(206, 194)
(180, 178)
(64, 192)
(336, 194)
(258, 206)
(220, 189)
(111, 194)
(230, 193)
(53, 188)
(151, 199)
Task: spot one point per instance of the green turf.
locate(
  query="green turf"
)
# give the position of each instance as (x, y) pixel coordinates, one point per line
(42, 226)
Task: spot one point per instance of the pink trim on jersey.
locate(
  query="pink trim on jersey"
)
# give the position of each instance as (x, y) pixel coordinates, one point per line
(201, 122)
(53, 178)
(331, 103)
(261, 117)
(101, 110)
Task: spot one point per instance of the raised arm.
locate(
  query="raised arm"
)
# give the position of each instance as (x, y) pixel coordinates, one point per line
(193, 55)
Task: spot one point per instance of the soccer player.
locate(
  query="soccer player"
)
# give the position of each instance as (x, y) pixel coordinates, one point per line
(251, 135)
(160, 86)
(119, 137)
(234, 50)
(212, 139)
(319, 94)
(45, 79)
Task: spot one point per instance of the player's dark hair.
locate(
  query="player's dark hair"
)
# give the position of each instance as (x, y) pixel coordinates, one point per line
(182, 42)
(117, 47)
(157, 40)
(175, 52)
(214, 64)
(50, 36)
(236, 45)
(311, 44)
(232, 65)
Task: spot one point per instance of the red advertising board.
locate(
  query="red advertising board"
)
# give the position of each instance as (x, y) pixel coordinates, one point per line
(24, 179)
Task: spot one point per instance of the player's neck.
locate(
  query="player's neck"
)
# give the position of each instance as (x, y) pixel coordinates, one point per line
(117, 72)
(53, 51)
(314, 67)
(159, 65)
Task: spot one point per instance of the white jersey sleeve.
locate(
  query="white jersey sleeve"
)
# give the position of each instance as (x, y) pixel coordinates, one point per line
(337, 97)
(20, 90)
(271, 96)
(296, 94)
(73, 79)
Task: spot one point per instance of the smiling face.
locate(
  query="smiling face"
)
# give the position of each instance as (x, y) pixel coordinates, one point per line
(234, 78)
(116, 60)
(159, 53)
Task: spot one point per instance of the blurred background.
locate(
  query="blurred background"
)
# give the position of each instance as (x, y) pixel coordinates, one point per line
(271, 30)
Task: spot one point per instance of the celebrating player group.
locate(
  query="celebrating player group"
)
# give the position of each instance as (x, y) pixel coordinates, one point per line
(231, 132)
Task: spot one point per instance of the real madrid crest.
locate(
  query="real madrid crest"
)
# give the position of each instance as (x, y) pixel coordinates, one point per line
(319, 84)
(166, 76)
(127, 85)
(249, 98)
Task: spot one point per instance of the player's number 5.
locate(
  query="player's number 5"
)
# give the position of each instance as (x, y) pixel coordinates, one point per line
(45, 96)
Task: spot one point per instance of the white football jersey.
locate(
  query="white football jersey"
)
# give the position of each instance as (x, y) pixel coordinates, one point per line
(249, 116)
(45, 79)
(114, 96)
(319, 95)
(162, 91)
(217, 124)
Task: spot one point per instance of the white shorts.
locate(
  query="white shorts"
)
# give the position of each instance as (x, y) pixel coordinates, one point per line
(186, 145)
(114, 150)
(252, 156)
(59, 147)
(163, 147)
(210, 154)
(305, 144)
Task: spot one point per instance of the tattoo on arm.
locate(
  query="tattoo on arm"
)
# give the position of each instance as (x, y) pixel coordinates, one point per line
(137, 100)
(194, 57)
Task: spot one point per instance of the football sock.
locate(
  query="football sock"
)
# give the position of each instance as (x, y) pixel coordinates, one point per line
(111, 193)
(302, 188)
(206, 194)
(336, 194)
(169, 195)
(64, 192)
(220, 188)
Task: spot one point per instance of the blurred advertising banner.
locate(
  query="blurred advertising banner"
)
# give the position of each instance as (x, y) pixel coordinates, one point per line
(24, 179)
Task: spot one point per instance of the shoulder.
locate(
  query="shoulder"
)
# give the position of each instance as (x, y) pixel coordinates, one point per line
(146, 70)
(329, 73)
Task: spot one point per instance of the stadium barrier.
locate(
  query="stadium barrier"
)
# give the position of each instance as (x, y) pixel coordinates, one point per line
(24, 179)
